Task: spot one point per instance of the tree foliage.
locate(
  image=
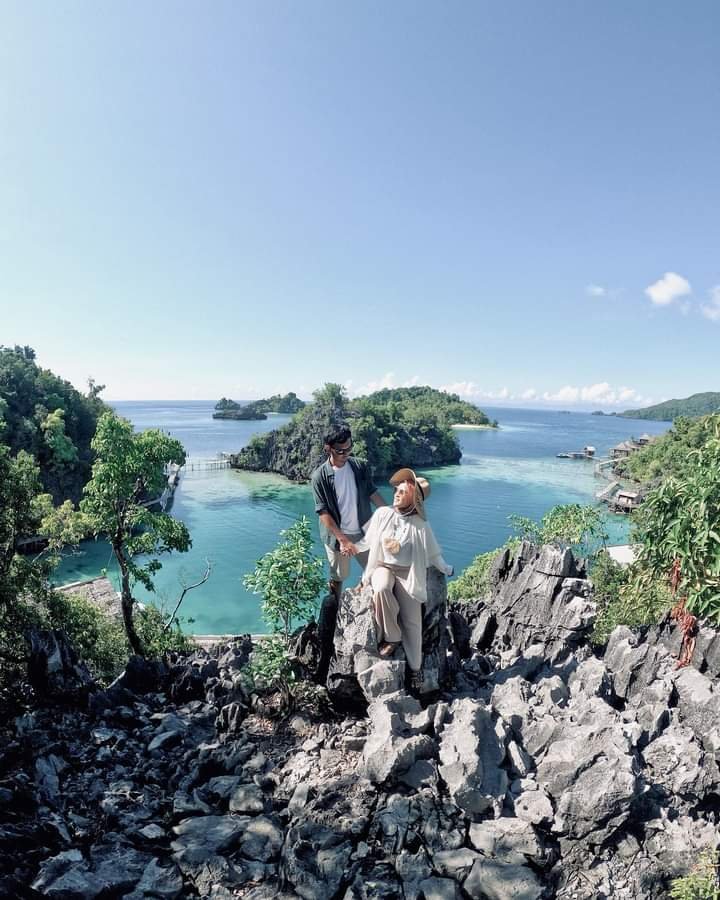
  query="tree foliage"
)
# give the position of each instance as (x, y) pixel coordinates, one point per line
(25, 592)
(129, 469)
(568, 525)
(288, 404)
(623, 597)
(702, 882)
(667, 455)
(49, 419)
(289, 579)
(680, 520)
(23, 582)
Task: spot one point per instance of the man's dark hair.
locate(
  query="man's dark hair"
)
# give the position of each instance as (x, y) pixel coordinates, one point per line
(337, 434)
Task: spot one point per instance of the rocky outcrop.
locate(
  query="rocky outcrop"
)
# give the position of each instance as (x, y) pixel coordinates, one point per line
(54, 670)
(536, 770)
(358, 675)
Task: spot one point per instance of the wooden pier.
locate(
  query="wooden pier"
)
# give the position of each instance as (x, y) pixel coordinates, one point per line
(198, 464)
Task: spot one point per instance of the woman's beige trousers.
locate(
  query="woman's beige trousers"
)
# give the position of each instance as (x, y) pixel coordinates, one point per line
(398, 616)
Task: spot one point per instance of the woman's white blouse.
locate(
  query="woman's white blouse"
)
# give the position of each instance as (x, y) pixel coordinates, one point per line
(402, 541)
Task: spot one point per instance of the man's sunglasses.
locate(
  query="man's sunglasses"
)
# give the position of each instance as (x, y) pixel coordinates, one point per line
(342, 451)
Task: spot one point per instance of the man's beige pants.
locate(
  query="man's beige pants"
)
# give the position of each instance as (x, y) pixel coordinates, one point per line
(398, 616)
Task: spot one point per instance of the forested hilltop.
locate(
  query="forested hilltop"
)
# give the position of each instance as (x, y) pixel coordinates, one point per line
(46, 416)
(668, 455)
(391, 428)
(695, 405)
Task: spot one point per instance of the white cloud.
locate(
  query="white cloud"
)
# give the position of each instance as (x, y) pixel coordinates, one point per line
(386, 382)
(567, 394)
(596, 290)
(462, 389)
(711, 310)
(668, 288)
(600, 394)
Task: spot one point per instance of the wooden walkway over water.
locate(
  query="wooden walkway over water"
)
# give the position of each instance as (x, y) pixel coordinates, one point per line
(207, 464)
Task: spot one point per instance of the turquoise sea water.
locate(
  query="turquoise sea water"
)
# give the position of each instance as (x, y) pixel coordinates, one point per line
(235, 517)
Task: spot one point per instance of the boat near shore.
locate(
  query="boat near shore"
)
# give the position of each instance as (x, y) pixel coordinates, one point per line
(585, 453)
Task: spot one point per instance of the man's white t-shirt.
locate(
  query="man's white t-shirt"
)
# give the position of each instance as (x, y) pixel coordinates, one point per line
(346, 491)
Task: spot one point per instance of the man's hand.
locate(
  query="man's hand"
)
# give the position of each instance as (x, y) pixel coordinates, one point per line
(347, 548)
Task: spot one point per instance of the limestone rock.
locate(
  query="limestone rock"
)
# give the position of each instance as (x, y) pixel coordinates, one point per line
(397, 740)
(210, 834)
(54, 670)
(357, 672)
(541, 596)
(471, 756)
(510, 840)
(492, 879)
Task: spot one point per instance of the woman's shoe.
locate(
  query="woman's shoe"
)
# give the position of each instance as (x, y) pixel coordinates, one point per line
(388, 648)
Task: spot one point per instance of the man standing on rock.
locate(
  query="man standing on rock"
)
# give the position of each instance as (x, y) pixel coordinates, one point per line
(343, 490)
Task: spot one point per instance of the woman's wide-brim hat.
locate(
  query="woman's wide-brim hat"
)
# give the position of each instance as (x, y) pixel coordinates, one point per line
(422, 487)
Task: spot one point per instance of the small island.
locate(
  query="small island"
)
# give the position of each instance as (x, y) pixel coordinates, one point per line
(391, 428)
(288, 404)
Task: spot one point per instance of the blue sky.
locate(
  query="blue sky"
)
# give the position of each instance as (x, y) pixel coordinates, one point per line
(516, 199)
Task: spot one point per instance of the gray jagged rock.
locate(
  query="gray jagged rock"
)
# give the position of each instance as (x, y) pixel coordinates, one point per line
(54, 670)
(675, 763)
(698, 706)
(358, 675)
(492, 879)
(544, 770)
(472, 751)
(539, 595)
(209, 834)
(590, 771)
(320, 840)
(398, 738)
(511, 840)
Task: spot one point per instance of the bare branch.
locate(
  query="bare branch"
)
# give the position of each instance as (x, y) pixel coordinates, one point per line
(189, 587)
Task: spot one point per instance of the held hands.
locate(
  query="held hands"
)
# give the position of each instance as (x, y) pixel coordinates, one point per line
(347, 548)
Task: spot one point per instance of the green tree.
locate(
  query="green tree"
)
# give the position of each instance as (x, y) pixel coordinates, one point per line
(702, 882)
(46, 416)
(129, 469)
(667, 455)
(289, 579)
(21, 512)
(24, 587)
(567, 525)
(680, 521)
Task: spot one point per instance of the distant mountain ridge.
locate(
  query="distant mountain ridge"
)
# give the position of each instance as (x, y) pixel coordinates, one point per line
(695, 405)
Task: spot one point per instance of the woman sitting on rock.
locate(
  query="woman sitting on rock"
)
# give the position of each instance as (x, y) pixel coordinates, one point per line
(401, 546)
